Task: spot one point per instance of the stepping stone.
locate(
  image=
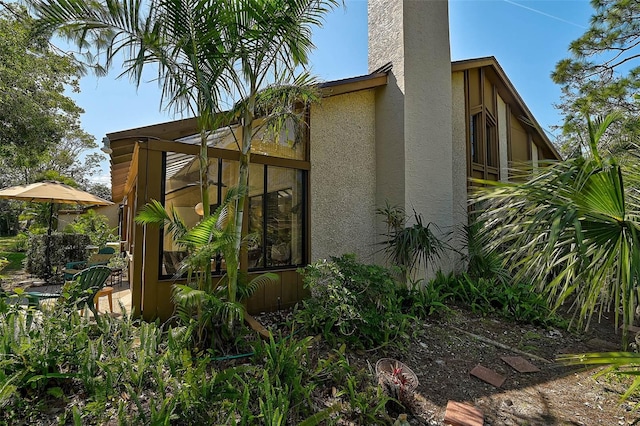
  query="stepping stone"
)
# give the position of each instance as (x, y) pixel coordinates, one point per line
(520, 364)
(600, 344)
(630, 328)
(459, 414)
(487, 375)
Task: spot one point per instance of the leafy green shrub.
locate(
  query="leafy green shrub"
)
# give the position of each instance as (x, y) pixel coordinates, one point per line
(366, 400)
(423, 300)
(95, 226)
(286, 384)
(287, 379)
(99, 371)
(482, 262)
(20, 243)
(63, 248)
(353, 303)
(119, 261)
(116, 370)
(517, 301)
(410, 246)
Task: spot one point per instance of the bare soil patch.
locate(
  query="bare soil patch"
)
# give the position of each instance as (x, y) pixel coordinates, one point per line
(442, 356)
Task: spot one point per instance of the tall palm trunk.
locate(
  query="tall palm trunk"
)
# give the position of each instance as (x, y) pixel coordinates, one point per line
(233, 268)
(204, 192)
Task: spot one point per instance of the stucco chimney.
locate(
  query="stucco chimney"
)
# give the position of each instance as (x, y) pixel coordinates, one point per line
(413, 112)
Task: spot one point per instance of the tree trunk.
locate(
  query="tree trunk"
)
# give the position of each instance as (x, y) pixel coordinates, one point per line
(204, 192)
(243, 181)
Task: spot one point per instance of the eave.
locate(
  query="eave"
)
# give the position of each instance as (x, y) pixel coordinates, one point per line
(123, 142)
(508, 93)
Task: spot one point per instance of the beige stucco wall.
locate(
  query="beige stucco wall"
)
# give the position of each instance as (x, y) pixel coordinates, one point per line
(386, 45)
(343, 176)
(428, 127)
(111, 212)
(386, 36)
(458, 119)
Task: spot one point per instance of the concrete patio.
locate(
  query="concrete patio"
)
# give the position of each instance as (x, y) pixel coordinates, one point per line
(121, 297)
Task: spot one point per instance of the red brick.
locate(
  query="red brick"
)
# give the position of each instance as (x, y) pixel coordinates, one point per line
(520, 364)
(460, 414)
(487, 375)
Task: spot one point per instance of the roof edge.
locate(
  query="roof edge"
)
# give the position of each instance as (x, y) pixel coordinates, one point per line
(328, 88)
(491, 61)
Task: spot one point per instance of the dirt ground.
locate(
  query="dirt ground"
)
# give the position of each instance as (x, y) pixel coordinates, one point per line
(443, 355)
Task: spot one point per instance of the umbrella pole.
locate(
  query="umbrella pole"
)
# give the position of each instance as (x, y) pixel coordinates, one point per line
(47, 255)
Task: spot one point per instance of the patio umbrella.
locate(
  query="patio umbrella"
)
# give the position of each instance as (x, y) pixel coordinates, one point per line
(51, 192)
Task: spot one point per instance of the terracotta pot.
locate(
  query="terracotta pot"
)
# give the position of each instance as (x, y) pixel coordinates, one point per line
(392, 374)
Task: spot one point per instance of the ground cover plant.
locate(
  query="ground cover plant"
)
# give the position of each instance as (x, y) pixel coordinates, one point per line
(61, 367)
(13, 250)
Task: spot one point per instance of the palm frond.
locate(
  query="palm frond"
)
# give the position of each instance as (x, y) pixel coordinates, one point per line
(154, 213)
(414, 245)
(247, 290)
(621, 363)
(569, 229)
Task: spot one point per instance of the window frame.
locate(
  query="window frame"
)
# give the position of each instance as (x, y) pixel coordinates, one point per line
(482, 138)
(300, 166)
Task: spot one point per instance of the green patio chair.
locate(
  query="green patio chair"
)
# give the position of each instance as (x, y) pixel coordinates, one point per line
(91, 281)
(107, 250)
(72, 268)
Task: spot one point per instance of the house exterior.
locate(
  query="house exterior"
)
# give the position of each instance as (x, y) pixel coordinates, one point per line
(410, 133)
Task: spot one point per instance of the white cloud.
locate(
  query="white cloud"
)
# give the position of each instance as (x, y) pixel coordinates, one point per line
(101, 179)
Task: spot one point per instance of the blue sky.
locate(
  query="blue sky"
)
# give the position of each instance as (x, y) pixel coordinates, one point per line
(526, 37)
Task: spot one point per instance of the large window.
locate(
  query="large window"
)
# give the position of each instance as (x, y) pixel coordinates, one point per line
(483, 156)
(475, 136)
(275, 210)
(483, 145)
(276, 207)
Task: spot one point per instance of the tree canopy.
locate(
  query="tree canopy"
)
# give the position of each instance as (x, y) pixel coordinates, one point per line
(35, 113)
(40, 133)
(602, 73)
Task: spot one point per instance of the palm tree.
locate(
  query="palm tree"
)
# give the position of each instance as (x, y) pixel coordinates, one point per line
(573, 229)
(207, 52)
(409, 247)
(205, 309)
